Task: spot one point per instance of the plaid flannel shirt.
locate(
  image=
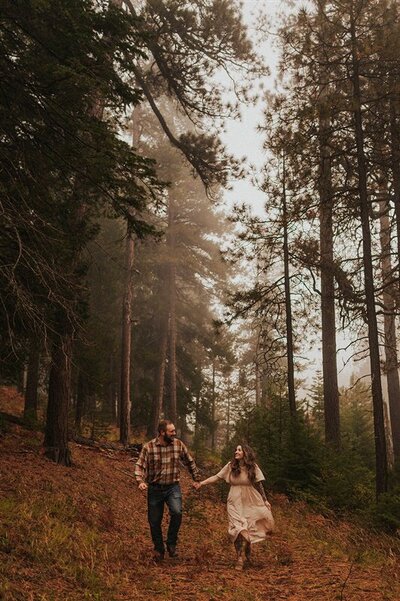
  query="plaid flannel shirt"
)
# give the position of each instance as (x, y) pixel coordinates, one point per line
(159, 464)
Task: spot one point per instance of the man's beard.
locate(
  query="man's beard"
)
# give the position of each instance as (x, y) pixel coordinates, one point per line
(168, 439)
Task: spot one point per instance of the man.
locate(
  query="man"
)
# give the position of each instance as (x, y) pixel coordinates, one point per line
(157, 471)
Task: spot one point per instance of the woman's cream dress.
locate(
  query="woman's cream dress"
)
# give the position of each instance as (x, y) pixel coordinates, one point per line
(246, 509)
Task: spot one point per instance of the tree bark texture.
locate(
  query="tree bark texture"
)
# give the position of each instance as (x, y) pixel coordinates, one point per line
(389, 303)
(126, 344)
(172, 312)
(373, 337)
(81, 400)
(328, 322)
(160, 379)
(395, 160)
(288, 302)
(56, 433)
(213, 408)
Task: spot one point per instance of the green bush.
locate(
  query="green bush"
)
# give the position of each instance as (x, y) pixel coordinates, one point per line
(385, 515)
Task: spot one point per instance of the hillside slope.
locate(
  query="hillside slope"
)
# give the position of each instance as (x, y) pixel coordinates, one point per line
(81, 533)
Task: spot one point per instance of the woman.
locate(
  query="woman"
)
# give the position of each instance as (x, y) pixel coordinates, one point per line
(249, 513)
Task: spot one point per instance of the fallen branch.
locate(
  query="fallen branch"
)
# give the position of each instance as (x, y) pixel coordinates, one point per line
(132, 449)
(346, 580)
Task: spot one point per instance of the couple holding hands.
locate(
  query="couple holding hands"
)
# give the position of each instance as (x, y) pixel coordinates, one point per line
(157, 472)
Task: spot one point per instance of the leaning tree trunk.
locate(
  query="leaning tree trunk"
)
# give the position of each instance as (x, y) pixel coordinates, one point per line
(172, 311)
(389, 304)
(373, 337)
(126, 345)
(288, 303)
(56, 432)
(32, 383)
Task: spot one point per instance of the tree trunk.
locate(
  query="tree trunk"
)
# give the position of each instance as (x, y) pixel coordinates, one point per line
(228, 421)
(288, 302)
(81, 400)
(126, 344)
(56, 433)
(172, 312)
(126, 334)
(329, 363)
(395, 160)
(213, 408)
(258, 372)
(32, 382)
(377, 399)
(197, 401)
(159, 392)
(391, 365)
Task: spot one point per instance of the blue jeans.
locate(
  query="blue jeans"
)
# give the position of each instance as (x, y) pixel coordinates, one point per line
(157, 495)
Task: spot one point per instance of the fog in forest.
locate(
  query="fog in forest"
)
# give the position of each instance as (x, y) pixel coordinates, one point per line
(201, 222)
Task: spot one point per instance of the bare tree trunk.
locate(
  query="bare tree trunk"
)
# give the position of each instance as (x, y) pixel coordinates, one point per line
(395, 160)
(197, 402)
(56, 433)
(81, 400)
(126, 345)
(288, 302)
(377, 398)
(172, 311)
(257, 371)
(159, 392)
(329, 363)
(389, 303)
(32, 382)
(228, 421)
(213, 407)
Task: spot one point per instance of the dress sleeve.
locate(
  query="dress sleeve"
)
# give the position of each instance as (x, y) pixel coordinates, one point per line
(259, 475)
(225, 473)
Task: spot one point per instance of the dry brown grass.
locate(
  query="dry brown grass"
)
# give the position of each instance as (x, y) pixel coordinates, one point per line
(80, 533)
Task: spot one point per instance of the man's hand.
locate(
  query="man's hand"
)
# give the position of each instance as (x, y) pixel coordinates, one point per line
(142, 486)
(196, 485)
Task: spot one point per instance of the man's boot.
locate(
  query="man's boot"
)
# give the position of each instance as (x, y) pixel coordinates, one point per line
(158, 556)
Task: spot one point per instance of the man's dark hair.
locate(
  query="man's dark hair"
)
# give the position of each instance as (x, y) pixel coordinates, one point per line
(162, 426)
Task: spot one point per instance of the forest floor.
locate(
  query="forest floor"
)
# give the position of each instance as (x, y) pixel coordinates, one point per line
(81, 533)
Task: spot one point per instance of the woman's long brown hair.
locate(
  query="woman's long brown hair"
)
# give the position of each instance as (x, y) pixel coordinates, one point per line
(249, 462)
